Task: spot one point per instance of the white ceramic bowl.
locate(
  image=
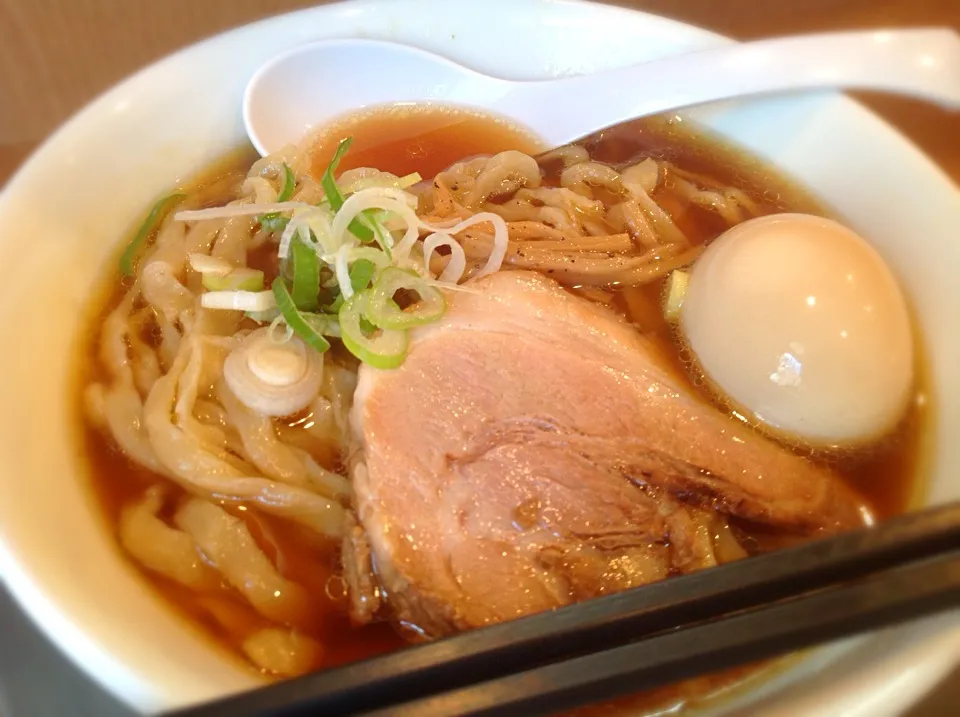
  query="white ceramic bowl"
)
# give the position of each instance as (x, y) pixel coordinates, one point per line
(63, 214)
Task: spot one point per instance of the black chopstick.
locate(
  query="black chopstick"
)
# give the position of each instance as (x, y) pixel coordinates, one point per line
(600, 624)
(760, 634)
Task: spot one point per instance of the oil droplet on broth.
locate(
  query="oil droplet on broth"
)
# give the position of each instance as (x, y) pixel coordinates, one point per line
(425, 138)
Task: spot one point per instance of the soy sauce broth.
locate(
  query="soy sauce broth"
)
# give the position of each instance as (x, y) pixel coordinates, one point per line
(427, 139)
(421, 138)
(399, 138)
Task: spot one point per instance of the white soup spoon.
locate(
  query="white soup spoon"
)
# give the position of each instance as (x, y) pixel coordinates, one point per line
(313, 84)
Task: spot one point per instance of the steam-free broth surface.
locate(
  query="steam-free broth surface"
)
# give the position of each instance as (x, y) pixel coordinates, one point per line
(417, 138)
(427, 140)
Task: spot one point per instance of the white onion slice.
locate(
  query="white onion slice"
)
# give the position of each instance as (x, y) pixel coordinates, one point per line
(453, 271)
(238, 300)
(206, 264)
(236, 210)
(386, 198)
(342, 269)
(304, 221)
(501, 239)
(273, 379)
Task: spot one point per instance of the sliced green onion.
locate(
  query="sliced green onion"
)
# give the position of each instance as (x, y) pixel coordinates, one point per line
(306, 276)
(366, 327)
(265, 316)
(153, 219)
(381, 349)
(383, 311)
(242, 279)
(273, 222)
(295, 319)
(381, 237)
(289, 184)
(333, 195)
(327, 181)
(335, 305)
(408, 180)
(326, 324)
(363, 226)
(276, 222)
(379, 179)
(361, 272)
(378, 258)
(676, 290)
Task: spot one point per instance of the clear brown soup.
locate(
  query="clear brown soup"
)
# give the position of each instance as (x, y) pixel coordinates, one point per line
(427, 140)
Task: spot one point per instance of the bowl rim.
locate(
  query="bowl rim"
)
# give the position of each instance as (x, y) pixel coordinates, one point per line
(927, 669)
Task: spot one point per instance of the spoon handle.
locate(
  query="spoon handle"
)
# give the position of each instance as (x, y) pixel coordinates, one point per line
(924, 63)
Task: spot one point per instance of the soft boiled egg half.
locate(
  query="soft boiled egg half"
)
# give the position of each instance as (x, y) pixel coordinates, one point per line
(801, 324)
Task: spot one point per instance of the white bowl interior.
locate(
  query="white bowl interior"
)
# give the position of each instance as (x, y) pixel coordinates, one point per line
(65, 212)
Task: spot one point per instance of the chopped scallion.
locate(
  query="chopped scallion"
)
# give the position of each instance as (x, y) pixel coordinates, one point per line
(153, 220)
(326, 324)
(408, 180)
(265, 316)
(333, 195)
(676, 290)
(381, 237)
(242, 279)
(295, 320)
(276, 222)
(329, 182)
(289, 184)
(273, 222)
(306, 276)
(382, 349)
(335, 305)
(361, 272)
(383, 311)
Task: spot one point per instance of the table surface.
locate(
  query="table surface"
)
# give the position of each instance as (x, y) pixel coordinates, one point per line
(60, 53)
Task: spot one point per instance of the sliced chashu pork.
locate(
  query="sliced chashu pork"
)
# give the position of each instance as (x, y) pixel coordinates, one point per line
(533, 450)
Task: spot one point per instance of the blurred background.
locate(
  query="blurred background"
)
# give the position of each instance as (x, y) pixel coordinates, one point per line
(55, 55)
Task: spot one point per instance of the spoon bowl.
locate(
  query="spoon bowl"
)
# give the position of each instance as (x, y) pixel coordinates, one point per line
(313, 84)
